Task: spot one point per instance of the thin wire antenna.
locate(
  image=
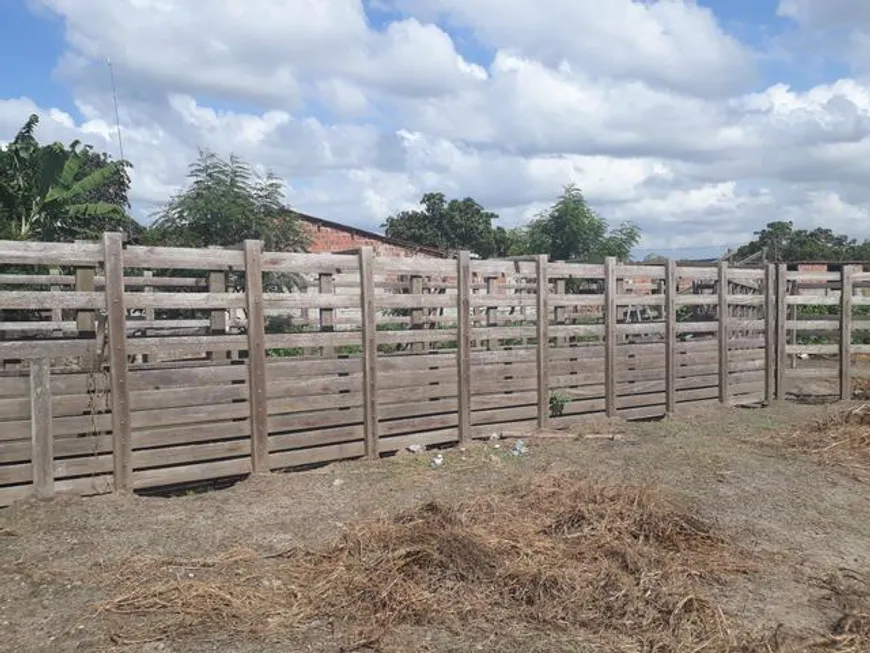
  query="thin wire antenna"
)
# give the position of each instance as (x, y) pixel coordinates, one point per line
(115, 101)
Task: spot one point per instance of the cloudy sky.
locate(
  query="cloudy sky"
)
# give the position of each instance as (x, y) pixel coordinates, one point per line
(700, 121)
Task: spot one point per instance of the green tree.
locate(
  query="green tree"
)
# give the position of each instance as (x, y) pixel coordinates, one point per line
(781, 242)
(571, 230)
(454, 225)
(60, 193)
(225, 203)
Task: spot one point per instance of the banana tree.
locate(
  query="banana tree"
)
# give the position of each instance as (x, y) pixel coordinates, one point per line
(53, 192)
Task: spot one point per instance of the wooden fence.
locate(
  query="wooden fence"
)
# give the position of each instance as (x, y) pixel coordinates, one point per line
(823, 331)
(136, 367)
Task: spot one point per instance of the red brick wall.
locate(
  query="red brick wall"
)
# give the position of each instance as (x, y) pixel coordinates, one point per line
(327, 239)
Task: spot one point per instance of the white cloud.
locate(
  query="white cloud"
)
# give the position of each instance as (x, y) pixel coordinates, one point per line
(647, 106)
(678, 45)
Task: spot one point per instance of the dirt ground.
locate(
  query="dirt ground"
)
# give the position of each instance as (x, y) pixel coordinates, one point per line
(796, 518)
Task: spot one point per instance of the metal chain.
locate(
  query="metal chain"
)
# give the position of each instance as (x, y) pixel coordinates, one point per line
(97, 382)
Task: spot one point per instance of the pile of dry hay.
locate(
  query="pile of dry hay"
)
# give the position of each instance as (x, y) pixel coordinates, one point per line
(840, 438)
(616, 565)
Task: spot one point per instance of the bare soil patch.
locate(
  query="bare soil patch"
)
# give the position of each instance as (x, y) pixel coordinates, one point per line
(712, 532)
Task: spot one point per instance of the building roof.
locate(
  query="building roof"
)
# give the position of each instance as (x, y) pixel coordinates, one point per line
(371, 235)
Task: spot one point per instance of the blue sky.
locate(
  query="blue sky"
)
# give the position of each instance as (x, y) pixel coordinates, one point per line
(33, 36)
(364, 105)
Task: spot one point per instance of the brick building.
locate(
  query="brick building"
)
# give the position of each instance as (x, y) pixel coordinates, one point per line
(337, 238)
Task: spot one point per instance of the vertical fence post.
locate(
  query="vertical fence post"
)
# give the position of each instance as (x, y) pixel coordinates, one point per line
(370, 352)
(41, 437)
(559, 312)
(217, 320)
(416, 289)
(122, 444)
(149, 312)
(463, 344)
(723, 332)
(610, 336)
(85, 282)
(769, 333)
(326, 286)
(670, 336)
(543, 338)
(492, 310)
(846, 332)
(256, 357)
(781, 327)
(56, 313)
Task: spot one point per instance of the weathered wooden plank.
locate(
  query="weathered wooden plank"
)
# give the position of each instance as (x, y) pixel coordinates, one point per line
(813, 300)
(420, 393)
(543, 343)
(564, 270)
(642, 271)
(610, 316)
(177, 378)
(188, 300)
(45, 300)
(256, 342)
(670, 316)
(463, 351)
(724, 331)
(577, 300)
(187, 344)
(293, 340)
(313, 386)
(493, 401)
(692, 273)
(118, 372)
(178, 434)
(640, 300)
(305, 367)
(814, 325)
(512, 355)
(322, 263)
(316, 420)
(495, 268)
(191, 453)
(415, 361)
(846, 300)
(815, 350)
(578, 330)
(810, 275)
(319, 438)
(41, 439)
(150, 478)
(418, 424)
(428, 438)
(185, 258)
(298, 457)
(14, 252)
(283, 405)
(144, 419)
(505, 415)
(697, 300)
(370, 352)
(180, 397)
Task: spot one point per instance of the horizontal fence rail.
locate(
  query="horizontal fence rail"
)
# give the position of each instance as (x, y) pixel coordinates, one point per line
(127, 368)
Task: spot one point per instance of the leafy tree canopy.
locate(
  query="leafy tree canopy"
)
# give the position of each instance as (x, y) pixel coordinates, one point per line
(784, 243)
(225, 203)
(571, 230)
(454, 225)
(60, 193)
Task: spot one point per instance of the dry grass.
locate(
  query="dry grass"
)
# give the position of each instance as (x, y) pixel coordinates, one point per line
(564, 557)
(839, 438)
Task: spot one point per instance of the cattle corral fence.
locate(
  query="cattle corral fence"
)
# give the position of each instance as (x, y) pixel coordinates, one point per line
(129, 367)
